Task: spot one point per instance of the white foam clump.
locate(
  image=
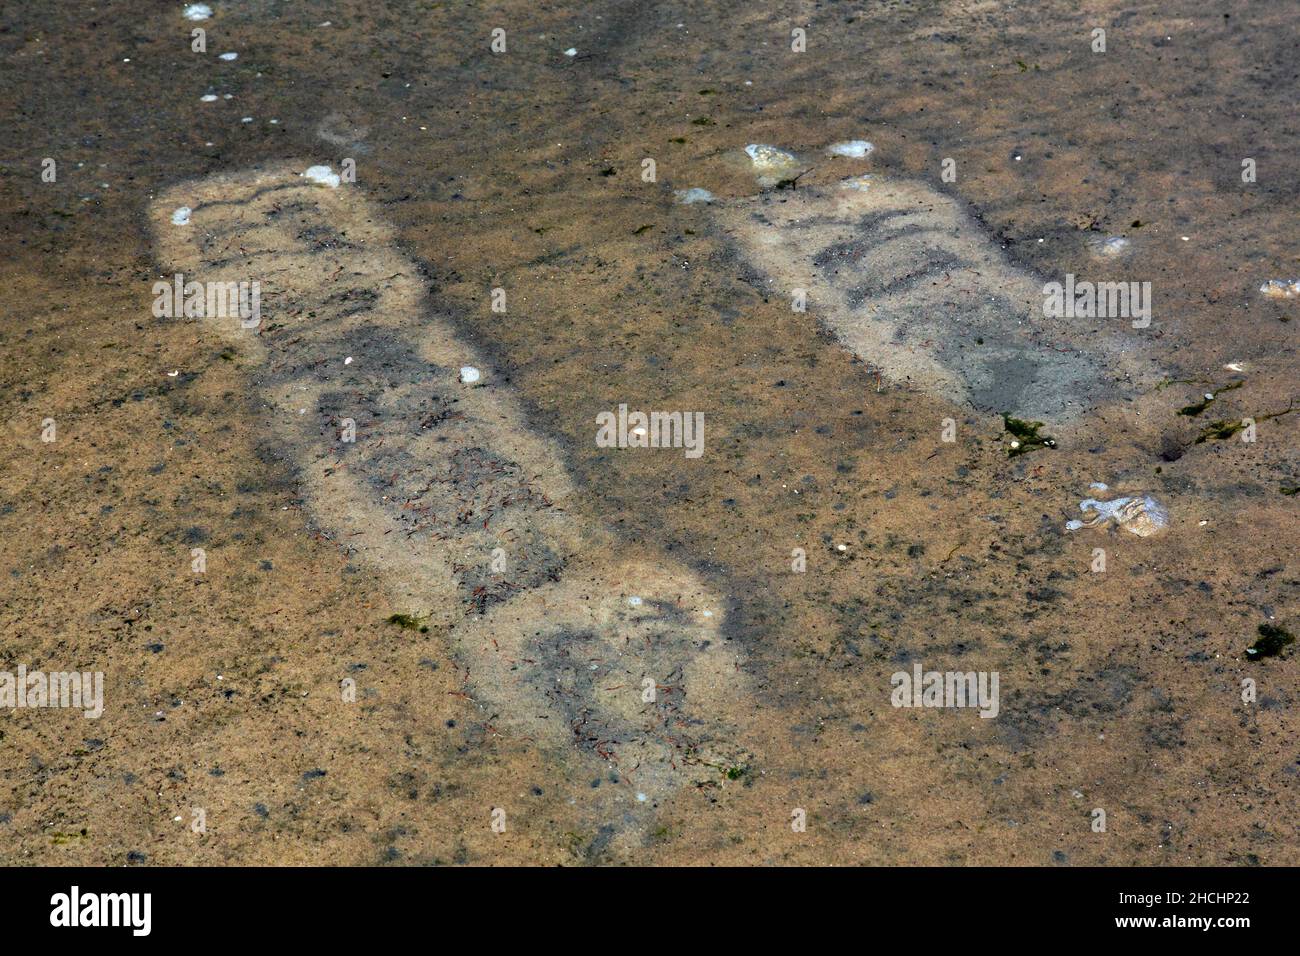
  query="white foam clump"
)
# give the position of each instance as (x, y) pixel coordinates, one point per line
(197, 11)
(1140, 514)
(322, 175)
(766, 157)
(181, 217)
(469, 374)
(853, 148)
(1281, 288)
(228, 56)
(693, 195)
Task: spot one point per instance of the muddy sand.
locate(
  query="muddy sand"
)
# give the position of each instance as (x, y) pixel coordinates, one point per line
(380, 564)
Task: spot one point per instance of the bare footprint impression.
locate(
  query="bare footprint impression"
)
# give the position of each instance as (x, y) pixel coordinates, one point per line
(412, 457)
(908, 282)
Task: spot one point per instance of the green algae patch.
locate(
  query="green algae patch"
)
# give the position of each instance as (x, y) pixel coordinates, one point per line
(409, 622)
(1210, 399)
(1227, 427)
(1025, 436)
(1272, 639)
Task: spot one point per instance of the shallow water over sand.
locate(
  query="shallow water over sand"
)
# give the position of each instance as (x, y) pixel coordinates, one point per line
(524, 171)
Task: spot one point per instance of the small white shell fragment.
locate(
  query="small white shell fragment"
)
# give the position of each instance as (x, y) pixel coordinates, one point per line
(1281, 288)
(688, 197)
(853, 148)
(197, 11)
(208, 98)
(181, 217)
(1140, 514)
(571, 51)
(348, 360)
(228, 57)
(323, 175)
(1235, 367)
(856, 182)
(634, 601)
(469, 374)
(768, 158)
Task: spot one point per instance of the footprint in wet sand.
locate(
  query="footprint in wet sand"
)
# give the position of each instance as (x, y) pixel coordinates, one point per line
(571, 644)
(911, 284)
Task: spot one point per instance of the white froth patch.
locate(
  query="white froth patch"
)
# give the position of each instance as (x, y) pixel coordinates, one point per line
(768, 158)
(688, 197)
(853, 148)
(181, 217)
(322, 175)
(469, 374)
(1281, 288)
(197, 11)
(1141, 514)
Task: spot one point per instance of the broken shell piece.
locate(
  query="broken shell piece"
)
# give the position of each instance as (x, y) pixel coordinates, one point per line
(854, 148)
(772, 164)
(1281, 288)
(856, 182)
(469, 374)
(322, 175)
(1111, 246)
(688, 197)
(1140, 514)
(769, 158)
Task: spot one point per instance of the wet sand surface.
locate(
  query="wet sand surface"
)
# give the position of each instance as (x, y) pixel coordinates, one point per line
(1121, 690)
